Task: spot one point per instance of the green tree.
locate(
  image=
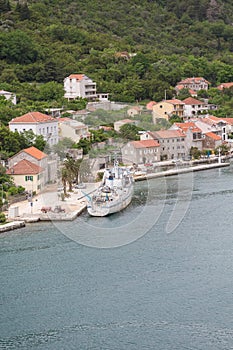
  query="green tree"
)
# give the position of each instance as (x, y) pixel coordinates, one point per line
(129, 132)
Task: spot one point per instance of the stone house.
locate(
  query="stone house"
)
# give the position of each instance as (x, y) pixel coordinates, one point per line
(141, 152)
(211, 141)
(172, 143)
(194, 136)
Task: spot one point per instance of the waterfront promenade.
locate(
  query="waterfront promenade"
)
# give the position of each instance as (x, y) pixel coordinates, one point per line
(76, 203)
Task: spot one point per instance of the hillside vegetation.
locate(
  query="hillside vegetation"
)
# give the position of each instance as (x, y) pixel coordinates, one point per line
(45, 41)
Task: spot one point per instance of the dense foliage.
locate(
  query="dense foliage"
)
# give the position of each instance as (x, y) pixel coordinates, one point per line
(165, 41)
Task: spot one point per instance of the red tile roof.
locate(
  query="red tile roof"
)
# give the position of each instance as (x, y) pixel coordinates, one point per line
(213, 136)
(24, 167)
(175, 101)
(76, 76)
(224, 86)
(194, 80)
(229, 120)
(192, 101)
(144, 144)
(33, 117)
(150, 105)
(168, 134)
(188, 126)
(35, 152)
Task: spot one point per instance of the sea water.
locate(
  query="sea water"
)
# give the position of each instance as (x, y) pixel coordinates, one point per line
(157, 275)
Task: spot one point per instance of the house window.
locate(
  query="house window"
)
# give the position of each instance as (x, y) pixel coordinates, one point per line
(28, 178)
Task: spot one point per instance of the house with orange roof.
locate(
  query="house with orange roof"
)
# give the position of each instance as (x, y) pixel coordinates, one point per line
(194, 107)
(211, 141)
(79, 85)
(223, 86)
(150, 105)
(39, 123)
(218, 126)
(166, 109)
(194, 83)
(39, 158)
(118, 124)
(28, 175)
(141, 152)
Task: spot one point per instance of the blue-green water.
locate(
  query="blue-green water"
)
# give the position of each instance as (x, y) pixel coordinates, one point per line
(169, 287)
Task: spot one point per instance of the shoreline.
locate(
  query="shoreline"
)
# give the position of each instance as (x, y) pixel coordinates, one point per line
(75, 206)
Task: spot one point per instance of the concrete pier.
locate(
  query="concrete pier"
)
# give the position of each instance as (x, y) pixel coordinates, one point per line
(11, 226)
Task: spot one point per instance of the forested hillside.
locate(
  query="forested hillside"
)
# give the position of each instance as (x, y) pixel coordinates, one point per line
(44, 41)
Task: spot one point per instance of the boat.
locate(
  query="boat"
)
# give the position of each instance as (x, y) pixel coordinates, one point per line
(114, 194)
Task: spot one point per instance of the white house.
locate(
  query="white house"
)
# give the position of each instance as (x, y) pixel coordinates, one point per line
(39, 123)
(194, 84)
(194, 107)
(79, 85)
(8, 96)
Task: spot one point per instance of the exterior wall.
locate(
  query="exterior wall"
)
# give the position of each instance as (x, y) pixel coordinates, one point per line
(73, 130)
(35, 186)
(209, 143)
(162, 110)
(48, 130)
(84, 88)
(49, 166)
(193, 110)
(140, 155)
(172, 148)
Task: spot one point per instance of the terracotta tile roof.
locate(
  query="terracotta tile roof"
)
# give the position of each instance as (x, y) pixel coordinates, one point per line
(33, 117)
(76, 76)
(144, 144)
(192, 101)
(24, 167)
(35, 152)
(213, 136)
(193, 80)
(224, 86)
(168, 134)
(150, 105)
(229, 120)
(175, 101)
(188, 126)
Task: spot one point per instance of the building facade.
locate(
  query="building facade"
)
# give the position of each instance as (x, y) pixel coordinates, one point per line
(79, 85)
(141, 152)
(39, 123)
